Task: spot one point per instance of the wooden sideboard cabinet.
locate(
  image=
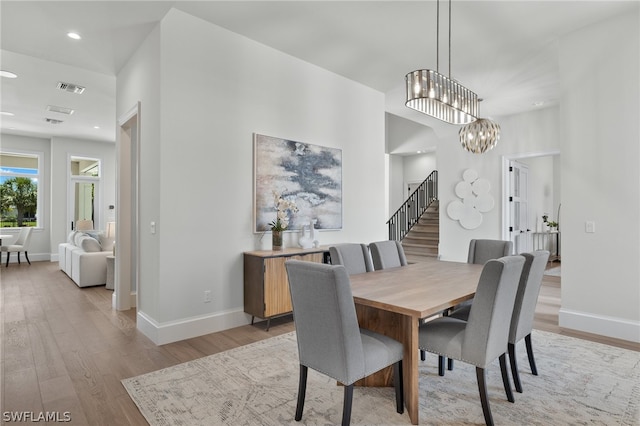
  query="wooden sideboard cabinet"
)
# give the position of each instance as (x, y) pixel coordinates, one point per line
(266, 287)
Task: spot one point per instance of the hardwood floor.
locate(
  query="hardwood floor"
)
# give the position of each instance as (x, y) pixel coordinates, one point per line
(64, 350)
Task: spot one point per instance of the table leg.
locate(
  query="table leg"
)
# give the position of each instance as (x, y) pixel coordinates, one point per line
(404, 329)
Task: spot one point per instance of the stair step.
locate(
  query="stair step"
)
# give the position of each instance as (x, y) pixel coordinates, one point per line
(425, 231)
(422, 240)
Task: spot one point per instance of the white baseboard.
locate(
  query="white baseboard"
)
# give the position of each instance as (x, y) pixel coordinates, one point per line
(617, 328)
(174, 331)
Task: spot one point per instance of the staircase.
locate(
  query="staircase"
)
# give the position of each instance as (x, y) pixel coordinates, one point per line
(422, 239)
(416, 223)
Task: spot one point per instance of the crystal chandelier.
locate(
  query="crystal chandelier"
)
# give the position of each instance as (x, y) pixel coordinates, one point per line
(479, 136)
(434, 94)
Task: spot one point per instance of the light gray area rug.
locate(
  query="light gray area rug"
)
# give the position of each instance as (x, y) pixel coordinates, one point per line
(579, 383)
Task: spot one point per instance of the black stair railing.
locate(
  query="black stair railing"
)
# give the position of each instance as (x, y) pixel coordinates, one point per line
(417, 203)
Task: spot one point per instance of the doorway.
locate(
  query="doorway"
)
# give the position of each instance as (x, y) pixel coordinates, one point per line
(126, 289)
(84, 192)
(531, 190)
(519, 230)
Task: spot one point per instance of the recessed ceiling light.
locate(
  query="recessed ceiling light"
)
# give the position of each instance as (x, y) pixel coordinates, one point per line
(10, 114)
(74, 36)
(96, 127)
(7, 74)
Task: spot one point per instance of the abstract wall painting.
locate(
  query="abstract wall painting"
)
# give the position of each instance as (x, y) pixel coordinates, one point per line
(310, 175)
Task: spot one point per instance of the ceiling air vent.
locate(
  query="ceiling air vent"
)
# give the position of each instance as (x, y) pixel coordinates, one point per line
(69, 87)
(52, 121)
(59, 109)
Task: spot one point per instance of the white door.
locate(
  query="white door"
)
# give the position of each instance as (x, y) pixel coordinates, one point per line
(519, 230)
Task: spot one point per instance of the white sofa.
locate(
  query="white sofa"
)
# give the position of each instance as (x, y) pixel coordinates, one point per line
(84, 257)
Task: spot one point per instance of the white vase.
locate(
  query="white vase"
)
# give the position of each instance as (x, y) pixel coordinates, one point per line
(305, 241)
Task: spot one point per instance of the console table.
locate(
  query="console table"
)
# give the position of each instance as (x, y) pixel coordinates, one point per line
(548, 240)
(266, 286)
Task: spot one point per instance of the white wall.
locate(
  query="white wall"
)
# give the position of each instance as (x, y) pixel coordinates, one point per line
(404, 138)
(599, 67)
(210, 105)
(418, 167)
(139, 81)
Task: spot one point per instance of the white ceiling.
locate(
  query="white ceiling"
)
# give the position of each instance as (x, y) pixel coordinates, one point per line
(503, 50)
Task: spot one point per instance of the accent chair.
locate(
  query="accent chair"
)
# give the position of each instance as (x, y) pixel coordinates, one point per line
(20, 245)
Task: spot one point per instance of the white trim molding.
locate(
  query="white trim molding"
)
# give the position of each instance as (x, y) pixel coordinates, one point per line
(615, 327)
(173, 331)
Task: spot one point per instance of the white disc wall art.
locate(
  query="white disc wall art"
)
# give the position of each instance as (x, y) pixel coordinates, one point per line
(474, 200)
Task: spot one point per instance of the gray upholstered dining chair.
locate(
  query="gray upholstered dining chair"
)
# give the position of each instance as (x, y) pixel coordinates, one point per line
(523, 310)
(354, 257)
(484, 337)
(20, 245)
(480, 251)
(387, 254)
(329, 338)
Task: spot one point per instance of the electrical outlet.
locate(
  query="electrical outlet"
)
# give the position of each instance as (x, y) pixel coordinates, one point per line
(207, 296)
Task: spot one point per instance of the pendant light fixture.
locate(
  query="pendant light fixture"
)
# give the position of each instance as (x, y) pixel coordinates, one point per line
(480, 136)
(434, 94)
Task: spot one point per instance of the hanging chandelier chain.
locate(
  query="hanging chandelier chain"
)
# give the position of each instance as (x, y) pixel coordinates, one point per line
(437, 95)
(438, 35)
(449, 38)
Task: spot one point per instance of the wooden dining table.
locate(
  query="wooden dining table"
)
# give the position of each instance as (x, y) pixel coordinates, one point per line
(393, 301)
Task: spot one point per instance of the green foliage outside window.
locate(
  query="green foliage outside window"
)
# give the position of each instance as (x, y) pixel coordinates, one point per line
(18, 202)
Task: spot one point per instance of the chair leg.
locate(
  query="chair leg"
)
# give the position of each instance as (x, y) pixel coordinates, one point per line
(399, 385)
(440, 365)
(27, 256)
(8, 254)
(346, 409)
(514, 367)
(449, 361)
(18, 258)
(482, 388)
(532, 361)
(505, 377)
(423, 355)
(302, 389)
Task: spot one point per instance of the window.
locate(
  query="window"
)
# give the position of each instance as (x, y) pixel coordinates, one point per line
(19, 195)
